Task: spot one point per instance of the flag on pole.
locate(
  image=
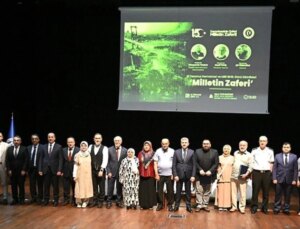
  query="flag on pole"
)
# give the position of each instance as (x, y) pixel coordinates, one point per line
(11, 132)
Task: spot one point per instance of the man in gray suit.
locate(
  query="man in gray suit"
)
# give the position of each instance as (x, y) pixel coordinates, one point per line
(116, 154)
(184, 171)
(285, 176)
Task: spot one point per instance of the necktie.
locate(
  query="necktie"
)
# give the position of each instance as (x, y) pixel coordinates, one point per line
(117, 153)
(50, 148)
(70, 155)
(33, 156)
(184, 154)
(285, 159)
(16, 152)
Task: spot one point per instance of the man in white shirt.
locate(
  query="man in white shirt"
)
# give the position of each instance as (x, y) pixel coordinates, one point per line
(263, 159)
(3, 149)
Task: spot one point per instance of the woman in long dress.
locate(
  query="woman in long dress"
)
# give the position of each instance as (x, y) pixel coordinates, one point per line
(223, 195)
(129, 177)
(82, 174)
(147, 192)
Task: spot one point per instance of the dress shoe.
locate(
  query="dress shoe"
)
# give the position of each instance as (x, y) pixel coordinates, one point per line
(198, 209)
(13, 202)
(84, 204)
(120, 205)
(45, 203)
(100, 205)
(232, 210)
(189, 209)
(55, 204)
(242, 211)
(265, 211)
(21, 202)
(159, 207)
(93, 204)
(170, 208)
(206, 209)
(276, 212)
(253, 210)
(66, 202)
(133, 207)
(4, 201)
(108, 205)
(79, 205)
(287, 212)
(176, 208)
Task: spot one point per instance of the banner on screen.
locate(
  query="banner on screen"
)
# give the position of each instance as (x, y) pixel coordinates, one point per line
(208, 59)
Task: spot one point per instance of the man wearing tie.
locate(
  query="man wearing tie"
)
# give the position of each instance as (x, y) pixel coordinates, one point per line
(16, 162)
(68, 165)
(184, 171)
(285, 176)
(116, 154)
(51, 168)
(3, 150)
(99, 159)
(36, 181)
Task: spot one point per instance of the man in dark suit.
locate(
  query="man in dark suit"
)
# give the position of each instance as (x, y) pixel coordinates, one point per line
(99, 159)
(184, 171)
(285, 175)
(36, 181)
(116, 154)
(16, 163)
(68, 165)
(51, 167)
(206, 161)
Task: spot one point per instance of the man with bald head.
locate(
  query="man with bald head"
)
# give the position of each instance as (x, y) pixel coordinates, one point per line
(68, 166)
(163, 162)
(263, 159)
(50, 166)
(116, 154)
(242, 167)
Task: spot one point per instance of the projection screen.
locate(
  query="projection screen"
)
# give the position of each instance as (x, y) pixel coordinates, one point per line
(195, 59)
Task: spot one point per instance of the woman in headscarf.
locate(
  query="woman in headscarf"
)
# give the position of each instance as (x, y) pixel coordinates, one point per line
(147, 192)
(129, 177)
(82, 174)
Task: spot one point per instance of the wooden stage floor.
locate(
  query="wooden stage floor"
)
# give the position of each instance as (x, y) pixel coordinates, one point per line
(35, 216)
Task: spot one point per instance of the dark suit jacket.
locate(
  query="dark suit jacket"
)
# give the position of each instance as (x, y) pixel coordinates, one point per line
(39, 152)
(68, 165)
(285, 173)
(54, 159)
(113, 164)
(16, 165)
(183, 167)
(210, 165)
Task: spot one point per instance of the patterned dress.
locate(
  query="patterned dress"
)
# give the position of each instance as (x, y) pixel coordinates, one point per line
(129, 177)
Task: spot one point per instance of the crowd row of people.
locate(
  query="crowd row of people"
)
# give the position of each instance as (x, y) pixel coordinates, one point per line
(140, 180)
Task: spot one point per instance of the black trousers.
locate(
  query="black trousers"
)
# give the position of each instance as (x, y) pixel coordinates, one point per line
(17, 186)
(51, 179)
(260, 181)
(170, 191)
(68, 184)
(98, 187)
(286, 190)
(111, 186)
(187, 186)
(36, 184)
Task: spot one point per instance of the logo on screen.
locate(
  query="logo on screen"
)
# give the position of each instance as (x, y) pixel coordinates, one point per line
(248, 33)
(198, 33)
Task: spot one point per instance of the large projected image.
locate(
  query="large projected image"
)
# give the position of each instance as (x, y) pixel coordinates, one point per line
(195, 59)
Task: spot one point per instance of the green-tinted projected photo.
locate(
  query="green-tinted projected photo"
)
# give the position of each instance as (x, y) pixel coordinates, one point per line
(243, 52)
(154, 61)
(198, 52)
(221, 52)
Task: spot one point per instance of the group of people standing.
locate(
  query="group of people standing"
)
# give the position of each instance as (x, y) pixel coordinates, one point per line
(141, 180)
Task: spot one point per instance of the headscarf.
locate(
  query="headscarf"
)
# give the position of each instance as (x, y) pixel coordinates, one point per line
(133, 163)
(86, 153)
(147, 156)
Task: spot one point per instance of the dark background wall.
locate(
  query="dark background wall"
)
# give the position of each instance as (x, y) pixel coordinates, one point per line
(60, 73)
